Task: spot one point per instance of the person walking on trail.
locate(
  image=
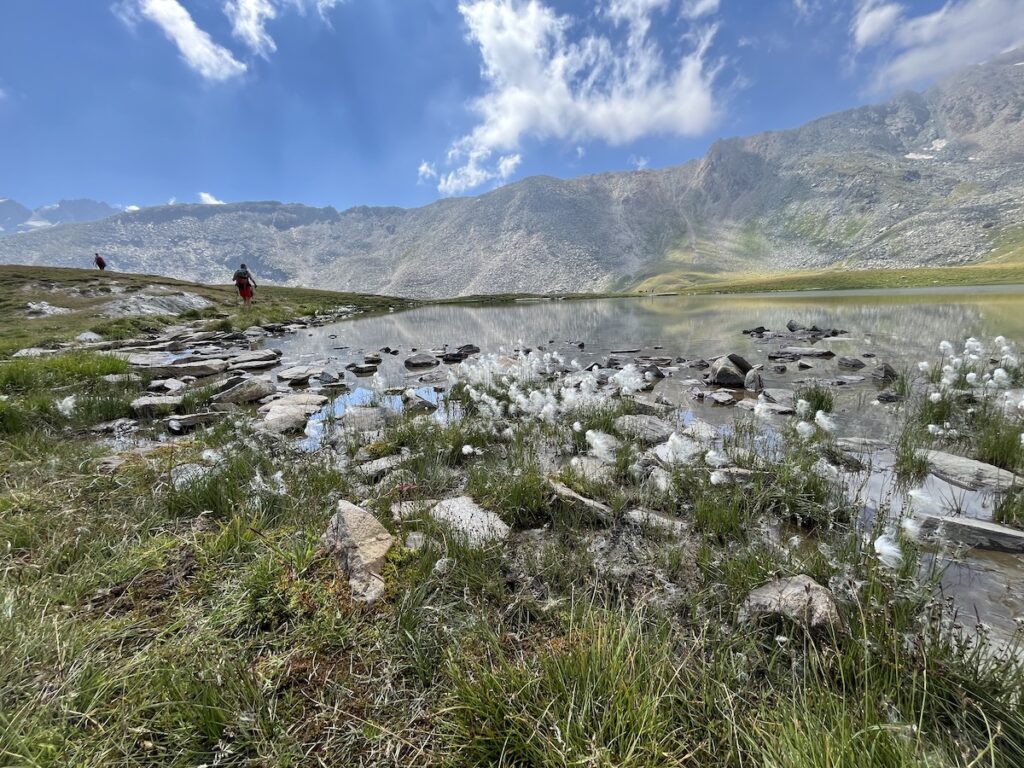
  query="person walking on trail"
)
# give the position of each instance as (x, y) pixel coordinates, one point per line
(244, 282)
(100, 262)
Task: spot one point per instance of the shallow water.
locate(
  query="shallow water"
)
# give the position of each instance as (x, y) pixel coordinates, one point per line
(899, 328)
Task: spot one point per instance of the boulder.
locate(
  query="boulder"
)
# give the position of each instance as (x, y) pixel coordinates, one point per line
(255, 360)
(725, 373)
(799, 599)
(247, 391)
(850, 363)
(421, 360)
(464, 516)
(740, 363)
(968, 473)
(362, 369)
(885, 373)
(753, 382)
(646, 429)
(88, 337)
(290, 413)
(970, 532)
(700, 431)
(360, 544)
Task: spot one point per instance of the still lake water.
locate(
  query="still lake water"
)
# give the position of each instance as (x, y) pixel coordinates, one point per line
(897, 327)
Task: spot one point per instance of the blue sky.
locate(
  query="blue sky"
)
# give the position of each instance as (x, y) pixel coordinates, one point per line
(400, 102)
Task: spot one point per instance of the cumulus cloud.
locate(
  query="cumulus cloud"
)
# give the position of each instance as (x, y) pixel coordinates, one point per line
(131, 208)
(962, 32)
(874, 22)
(212, 61)
(207, 199)
(544, 81)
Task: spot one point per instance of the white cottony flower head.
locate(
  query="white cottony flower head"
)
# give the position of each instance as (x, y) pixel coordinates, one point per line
(1001, 378)
(924, 366)
(805, 430)
(1000, 341)
(945, 348)
(824, 421)
(972, 378)
(803, 409)
(935, 397)
(888, 551)
(577, 427)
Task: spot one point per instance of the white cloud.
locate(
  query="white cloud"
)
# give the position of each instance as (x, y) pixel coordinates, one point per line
(426, 171)
(248, 24)
(580, 152)
(695, 9)
(805, 8)
(207, 199)
(874, 22)
(507, 165)
(639, 162)
(131, 208)
(212, 61)
(3, 93)
(543, 83)
(960, 33)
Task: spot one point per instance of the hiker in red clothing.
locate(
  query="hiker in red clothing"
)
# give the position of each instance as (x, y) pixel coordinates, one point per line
(245, 284)
(100, 262)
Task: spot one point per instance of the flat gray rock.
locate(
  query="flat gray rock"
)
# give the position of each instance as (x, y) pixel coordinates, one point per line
(299, 374)
(153, 404)
(246, 391)
(465, 516)
(199, 368)
(968, 473)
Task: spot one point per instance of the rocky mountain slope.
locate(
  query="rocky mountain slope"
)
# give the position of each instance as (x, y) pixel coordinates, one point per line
(932, 178)
(15, 217)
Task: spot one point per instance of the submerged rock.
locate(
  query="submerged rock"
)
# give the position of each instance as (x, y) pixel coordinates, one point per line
(799, 598)
(850, 363)
(360, 544)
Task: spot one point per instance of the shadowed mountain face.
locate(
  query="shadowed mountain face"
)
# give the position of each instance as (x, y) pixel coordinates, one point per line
(933, 178)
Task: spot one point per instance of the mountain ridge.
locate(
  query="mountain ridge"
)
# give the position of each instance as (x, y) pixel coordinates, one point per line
(924, 179)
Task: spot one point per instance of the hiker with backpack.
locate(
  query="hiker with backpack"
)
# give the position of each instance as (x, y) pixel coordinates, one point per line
(244, 282)
(100, 262)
